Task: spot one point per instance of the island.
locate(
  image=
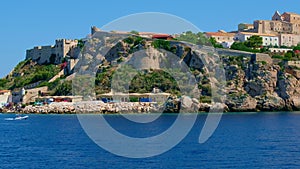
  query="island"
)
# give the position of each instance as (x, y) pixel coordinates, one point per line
(261, 63)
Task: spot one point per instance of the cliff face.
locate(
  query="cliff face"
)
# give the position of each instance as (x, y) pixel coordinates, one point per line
(257, 85)
(251, 84)
(262, 86)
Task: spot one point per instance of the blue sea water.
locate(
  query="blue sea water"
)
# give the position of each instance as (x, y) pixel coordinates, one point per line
(241, 141)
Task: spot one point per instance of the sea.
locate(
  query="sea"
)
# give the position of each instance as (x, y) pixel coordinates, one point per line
(242, 140)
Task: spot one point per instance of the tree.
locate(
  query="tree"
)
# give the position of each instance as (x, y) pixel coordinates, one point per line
(254, 42)
(296, 47)
(161, 44)
(64, 89)
(264, 49)
(195, 38)
(134, 32)
(289, 55)
(241, 46)
(214, 42)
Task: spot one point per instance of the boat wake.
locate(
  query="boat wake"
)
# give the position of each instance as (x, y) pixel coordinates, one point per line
(9, 119)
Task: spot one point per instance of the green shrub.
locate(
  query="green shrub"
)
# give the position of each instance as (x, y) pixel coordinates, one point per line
(64, 89)
(205, 99)
(161, 44)
(277, 57)
(195, 38)
(134, 99)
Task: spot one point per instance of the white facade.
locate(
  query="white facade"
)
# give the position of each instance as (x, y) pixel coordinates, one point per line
(226, 44)
(5, 97)
(289, 40)
(268, 39)
(280, 50)
(222, 37)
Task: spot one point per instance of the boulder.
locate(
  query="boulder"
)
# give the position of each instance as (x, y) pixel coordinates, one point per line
(186, 102)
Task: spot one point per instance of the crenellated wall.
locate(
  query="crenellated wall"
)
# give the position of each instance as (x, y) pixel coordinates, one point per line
(54, 54)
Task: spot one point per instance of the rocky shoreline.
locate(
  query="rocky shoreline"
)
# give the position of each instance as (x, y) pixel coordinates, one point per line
(98, 107)
(90, 107)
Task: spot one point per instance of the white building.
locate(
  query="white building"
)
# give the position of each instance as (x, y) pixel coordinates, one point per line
(222, 37)
(5, 97)
(268, 39)
(280, 50)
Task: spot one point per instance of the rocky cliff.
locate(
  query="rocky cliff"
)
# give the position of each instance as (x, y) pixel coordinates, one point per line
(251, 84)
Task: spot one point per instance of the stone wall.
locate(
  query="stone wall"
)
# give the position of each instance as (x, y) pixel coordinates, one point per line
(70, 67)
(293, 63)
(229, 52)
(62, 48)
(29, 96)
(259, 57)
(32, 94)
(40, 54)
(255, 57)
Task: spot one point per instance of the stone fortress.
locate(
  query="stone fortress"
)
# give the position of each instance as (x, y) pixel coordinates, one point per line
(281, 30)
(54, 53)
(287, 23)
(285, 26)
(63, 48)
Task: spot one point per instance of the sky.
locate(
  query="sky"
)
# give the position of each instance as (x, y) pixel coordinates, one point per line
(25, 24)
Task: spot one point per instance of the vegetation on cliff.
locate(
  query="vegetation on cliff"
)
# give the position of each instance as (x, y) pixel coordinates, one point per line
(28, 72)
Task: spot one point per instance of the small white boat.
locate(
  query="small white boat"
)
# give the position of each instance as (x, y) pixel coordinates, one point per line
(21, 117)
(17, 118)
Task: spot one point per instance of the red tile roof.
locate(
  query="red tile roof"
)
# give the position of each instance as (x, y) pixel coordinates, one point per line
(4, 91)
(219, 34)
(157, 36)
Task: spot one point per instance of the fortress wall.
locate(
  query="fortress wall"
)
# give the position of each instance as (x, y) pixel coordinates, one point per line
(229, 52)
(40, 54)
(61, 49)
(293, 63)
(263, 57)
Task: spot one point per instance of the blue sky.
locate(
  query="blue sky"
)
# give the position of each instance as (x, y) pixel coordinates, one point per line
(29, 23)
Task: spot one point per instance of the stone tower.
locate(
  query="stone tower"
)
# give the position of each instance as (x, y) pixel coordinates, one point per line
(94, 29)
